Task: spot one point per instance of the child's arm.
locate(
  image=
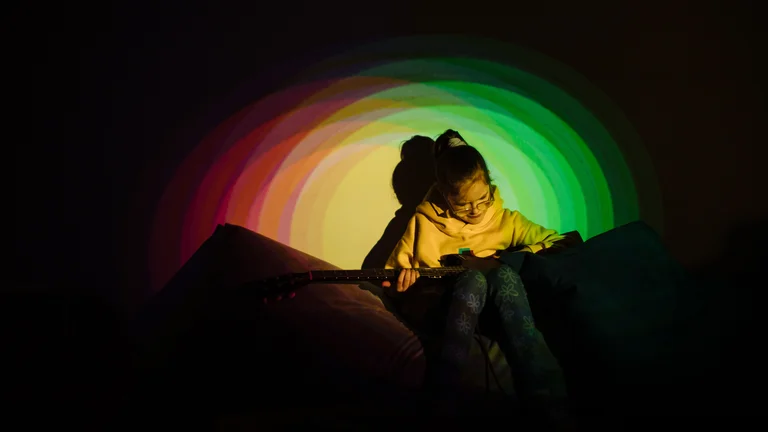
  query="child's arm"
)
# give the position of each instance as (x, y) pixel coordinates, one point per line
(532, 236)
(402, 255)
(402, 258)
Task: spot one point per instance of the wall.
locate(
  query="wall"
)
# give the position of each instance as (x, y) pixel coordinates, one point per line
(118, 105)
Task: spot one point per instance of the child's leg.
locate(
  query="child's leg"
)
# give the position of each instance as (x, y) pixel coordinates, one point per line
(465, 302)
(537, 372)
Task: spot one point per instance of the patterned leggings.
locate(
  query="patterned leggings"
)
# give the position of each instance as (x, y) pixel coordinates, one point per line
(501, 295)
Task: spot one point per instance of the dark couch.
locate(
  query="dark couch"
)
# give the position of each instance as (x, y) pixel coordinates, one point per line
(626, 322)
(622, 316)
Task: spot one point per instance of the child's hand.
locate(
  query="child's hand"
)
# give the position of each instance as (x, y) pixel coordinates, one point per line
(407, 278)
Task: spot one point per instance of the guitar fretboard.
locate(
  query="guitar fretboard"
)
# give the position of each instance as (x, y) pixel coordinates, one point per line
(277, 286)
(379, 274)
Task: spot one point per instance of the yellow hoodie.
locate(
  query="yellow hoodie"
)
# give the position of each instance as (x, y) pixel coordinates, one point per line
(432, 233)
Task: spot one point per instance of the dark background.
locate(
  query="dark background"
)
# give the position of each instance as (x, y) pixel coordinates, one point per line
(105, 93)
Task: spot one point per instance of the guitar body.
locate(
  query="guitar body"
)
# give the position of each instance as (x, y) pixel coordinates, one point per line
(423, 302)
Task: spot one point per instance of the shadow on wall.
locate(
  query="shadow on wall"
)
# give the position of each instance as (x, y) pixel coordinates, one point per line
(411, 180)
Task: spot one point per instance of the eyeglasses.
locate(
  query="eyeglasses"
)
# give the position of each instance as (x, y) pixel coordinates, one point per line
(481, 206)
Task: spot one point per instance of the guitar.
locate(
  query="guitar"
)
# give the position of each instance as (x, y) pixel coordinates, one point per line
(285, 286)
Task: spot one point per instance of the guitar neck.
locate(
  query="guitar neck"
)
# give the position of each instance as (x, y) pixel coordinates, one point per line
(276, 287)
(363, 275)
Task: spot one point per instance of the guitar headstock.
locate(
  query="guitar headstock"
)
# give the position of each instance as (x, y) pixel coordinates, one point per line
(279, 287)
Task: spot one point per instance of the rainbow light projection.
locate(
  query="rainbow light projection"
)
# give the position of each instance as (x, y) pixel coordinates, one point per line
(311, 165)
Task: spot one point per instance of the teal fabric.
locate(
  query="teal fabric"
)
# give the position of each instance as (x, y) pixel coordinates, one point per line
(617, 312)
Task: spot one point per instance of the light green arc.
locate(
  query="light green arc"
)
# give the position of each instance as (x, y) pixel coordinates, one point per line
(551, 173)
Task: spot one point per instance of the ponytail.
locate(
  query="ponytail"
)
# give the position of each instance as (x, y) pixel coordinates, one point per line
(448, 140)
(456, 162)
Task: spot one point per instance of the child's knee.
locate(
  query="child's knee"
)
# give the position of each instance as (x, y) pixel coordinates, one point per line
(471, 282)
(503, 274)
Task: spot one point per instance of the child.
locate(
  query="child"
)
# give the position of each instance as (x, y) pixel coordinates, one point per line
(464, 210)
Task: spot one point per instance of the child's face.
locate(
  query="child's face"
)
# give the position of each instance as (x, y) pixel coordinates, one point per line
(472, 201)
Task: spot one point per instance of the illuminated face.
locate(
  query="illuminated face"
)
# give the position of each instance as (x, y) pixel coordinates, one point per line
(472, 201)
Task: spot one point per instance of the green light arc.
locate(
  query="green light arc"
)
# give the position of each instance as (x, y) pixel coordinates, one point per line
(614, 143)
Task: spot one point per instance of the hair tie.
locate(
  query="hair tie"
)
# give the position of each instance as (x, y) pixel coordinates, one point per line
(456, 142)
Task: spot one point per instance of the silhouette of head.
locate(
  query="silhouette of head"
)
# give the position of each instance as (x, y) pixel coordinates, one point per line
(415, 173)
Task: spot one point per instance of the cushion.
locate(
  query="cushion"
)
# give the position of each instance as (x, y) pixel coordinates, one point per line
(615, 311)
(330, 338)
